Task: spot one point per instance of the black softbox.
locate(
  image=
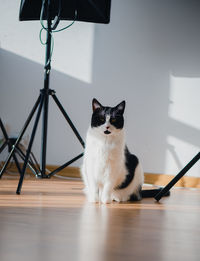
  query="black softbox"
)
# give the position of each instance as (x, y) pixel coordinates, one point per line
(95, 11)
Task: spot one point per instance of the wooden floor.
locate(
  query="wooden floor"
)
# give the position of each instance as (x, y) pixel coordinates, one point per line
(51, 220)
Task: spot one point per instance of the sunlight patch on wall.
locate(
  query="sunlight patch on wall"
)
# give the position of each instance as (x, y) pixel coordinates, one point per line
(184, 100)
(73, 48)
(178, 154)
(73, 52)
(184, 108)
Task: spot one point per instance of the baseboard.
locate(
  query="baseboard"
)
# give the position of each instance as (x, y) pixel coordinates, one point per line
(66, 172)
(163, 179)
(150, 178)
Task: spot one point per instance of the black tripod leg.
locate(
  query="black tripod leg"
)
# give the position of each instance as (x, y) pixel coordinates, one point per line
(5, 136)
(3, 130)
(35, 163)
(7, 142)
(67, 118)
(177, 177)
(44, 134)
(30, 163)
(30, 145)
(3, 146)
(17, 163)
(64, 165)
(20, 135)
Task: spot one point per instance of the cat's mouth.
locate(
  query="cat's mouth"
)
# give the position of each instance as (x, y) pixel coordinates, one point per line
(107, 132)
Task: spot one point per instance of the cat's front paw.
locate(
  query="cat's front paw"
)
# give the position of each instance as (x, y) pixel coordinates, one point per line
(106, 200)
(116, 196)
(119, 197)
(93, 198)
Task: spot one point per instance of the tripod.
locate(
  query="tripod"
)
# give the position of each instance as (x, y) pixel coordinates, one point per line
(166, 189)
(40, 106)
(9, 142)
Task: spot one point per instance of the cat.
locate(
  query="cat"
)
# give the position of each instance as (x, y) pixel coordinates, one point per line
(109, 171)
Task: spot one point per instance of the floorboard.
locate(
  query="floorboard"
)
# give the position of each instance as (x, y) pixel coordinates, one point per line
(51, 220)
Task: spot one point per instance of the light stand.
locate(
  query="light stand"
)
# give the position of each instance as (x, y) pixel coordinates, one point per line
(166, 189)
(9, 143)
(43, 99)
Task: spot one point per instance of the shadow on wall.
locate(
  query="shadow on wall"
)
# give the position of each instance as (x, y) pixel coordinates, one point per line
(134, 58)
(21, 82)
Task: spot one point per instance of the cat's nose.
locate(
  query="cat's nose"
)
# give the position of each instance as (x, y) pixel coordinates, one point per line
(107, 127)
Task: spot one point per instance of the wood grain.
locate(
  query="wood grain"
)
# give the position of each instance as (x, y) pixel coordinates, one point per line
(51, 220)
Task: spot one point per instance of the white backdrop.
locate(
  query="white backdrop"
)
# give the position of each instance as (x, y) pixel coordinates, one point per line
(148, 55)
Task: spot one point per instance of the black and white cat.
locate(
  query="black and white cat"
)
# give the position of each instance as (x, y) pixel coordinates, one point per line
(109, 171)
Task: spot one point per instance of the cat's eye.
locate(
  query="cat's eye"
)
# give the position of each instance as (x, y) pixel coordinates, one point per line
(101, 119)
(113, 120)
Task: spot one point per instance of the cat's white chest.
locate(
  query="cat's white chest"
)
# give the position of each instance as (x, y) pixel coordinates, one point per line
(104, 157)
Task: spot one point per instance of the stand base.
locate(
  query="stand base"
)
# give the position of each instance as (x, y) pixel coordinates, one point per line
(9, 143)
(40, 103)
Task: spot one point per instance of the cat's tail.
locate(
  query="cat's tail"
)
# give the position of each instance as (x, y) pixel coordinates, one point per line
(151, 193)
(146, 193)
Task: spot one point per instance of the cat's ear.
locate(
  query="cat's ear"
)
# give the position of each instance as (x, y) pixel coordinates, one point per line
(96, 104)
(121, 107)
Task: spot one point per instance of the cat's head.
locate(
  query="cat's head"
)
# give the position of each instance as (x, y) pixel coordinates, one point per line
(107, 120)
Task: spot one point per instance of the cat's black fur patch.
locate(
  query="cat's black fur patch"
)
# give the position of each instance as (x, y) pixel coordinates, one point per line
(134, 197)
(98, 117)
(131, 164)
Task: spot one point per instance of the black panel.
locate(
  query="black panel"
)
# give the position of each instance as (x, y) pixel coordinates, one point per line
(95, 11)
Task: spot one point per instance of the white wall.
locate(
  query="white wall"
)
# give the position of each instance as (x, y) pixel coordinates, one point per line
(148, 55)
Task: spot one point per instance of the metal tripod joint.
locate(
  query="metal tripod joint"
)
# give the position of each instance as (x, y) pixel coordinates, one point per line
(47, 91)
